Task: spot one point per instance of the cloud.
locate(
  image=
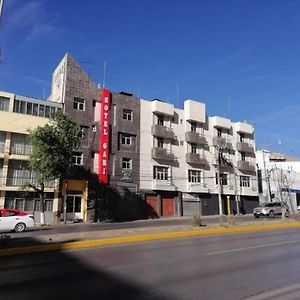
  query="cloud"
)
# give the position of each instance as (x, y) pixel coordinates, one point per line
(279, 114)
(32, 79)
(262, 77)
(29, 16)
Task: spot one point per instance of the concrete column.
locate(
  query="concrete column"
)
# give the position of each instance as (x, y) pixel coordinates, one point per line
(159, 205)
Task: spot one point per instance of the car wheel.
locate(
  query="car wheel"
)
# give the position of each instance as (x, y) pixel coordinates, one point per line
(20, 227)
(271, 214)
(256, 216)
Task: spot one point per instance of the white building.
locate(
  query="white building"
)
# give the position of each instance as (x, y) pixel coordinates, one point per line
(279, 178)
(181, 153)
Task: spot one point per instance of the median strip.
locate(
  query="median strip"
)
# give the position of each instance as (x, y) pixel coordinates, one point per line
(62, 246)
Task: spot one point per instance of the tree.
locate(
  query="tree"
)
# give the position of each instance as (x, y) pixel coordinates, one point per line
(52, 148)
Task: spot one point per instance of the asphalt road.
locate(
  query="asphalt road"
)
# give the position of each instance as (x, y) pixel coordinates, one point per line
(88, 227)
(260, 265)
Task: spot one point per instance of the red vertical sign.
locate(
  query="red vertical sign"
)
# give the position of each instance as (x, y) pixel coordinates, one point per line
(104, 137)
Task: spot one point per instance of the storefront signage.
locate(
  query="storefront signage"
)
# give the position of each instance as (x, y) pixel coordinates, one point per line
(104, 137)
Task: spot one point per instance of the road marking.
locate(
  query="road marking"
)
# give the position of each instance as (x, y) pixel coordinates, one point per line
(286, 292)
(250, 248)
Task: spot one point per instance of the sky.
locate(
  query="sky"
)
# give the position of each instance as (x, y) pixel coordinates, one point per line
(239, 57)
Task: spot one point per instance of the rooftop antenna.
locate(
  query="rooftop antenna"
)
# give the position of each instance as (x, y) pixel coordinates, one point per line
(104, 74)
(228, 107)
(177, 94)
(1, 10)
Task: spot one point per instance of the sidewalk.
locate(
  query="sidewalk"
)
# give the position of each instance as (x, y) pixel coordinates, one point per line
(78, 240)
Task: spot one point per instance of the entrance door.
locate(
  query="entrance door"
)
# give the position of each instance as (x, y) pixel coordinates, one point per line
(168, 205)
(74, 207)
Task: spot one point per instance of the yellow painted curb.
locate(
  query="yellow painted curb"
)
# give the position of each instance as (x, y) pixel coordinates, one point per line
(142, 238)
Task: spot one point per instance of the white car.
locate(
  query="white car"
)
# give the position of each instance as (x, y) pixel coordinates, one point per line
(15, 220)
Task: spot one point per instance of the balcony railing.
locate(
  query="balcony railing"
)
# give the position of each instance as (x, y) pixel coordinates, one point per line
(245, 166)
(196, 159)
(195, 138)
(162, 131)
(22, 181)
(221, 142)
(162, 154)
(21, 149)
(244, 147)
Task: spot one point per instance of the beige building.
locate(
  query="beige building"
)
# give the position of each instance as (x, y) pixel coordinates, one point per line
(19, 114)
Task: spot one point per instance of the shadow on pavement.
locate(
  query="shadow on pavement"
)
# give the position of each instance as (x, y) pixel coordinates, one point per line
(61, 275)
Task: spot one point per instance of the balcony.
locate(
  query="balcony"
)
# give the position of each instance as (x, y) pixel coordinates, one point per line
(162, 154)
(165, 185)
(21, 181)
(195, 138)
(162, 132)
(196, 159)
(245, 166)
(244, 147)
(221, 142)
(244, 128)
(160, 107)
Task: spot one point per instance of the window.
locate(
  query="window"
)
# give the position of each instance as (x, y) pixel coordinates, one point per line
(22, 107)
(219, 132)
(29, 108)
(242, 137)
(193, 127)
(35, 109)
(83, 130)
(77, 158)
(47, 111)
(160, 121)
(79, 104)
(4, 103)
(193, 148)
(42, 111)
(223, 179)
(245, 181)
(160, 173)
(127, 114)
(126, 139)
(126, 163)
(243, 156)
(160, 142)
(194, 176)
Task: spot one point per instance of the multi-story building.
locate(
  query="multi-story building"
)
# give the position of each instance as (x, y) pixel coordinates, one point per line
(19, 114)
(279, 178)
(81, 99)
(185, 155)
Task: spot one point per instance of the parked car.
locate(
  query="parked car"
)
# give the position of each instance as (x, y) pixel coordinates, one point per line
(271, 209)
(15, 220)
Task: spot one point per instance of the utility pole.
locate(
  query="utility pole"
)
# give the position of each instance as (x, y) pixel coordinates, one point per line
(267, 178)
(218, 161)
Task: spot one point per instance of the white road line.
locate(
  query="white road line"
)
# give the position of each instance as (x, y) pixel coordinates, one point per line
(250, 248)
(283, 293)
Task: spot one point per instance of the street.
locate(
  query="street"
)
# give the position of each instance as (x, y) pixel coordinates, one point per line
(88, 227)
(260, 265)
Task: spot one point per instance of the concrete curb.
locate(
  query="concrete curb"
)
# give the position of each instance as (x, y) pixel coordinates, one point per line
(142, 238)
